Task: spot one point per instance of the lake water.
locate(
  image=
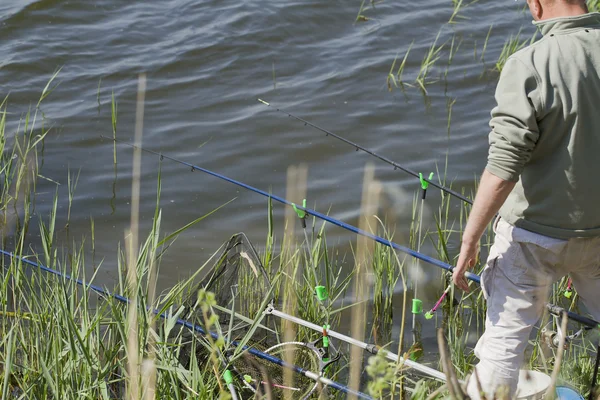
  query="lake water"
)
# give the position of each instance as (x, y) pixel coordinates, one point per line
(206, 63)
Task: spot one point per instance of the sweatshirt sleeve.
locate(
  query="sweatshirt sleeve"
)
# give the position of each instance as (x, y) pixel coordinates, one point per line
(514, 125)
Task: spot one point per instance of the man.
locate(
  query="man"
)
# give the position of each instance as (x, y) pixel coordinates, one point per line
(542, 178)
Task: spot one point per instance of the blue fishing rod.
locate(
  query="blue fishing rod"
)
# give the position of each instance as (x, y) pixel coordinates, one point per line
(372, 153)
(257, 353)
(556, 310)
(378, 239)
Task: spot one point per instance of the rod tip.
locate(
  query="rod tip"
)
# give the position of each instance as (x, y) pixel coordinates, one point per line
(264, 102)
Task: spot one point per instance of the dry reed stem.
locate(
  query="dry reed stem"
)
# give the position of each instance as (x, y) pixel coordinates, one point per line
(404, 303)
(290, 215)
(297, 177)
(133, 388)
(369, 205)
(451, 380)
(149, 372)
(444, 361)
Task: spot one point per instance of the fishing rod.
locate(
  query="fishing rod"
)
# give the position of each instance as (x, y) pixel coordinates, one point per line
(341, 224)
(371, 152)
(257, 353)
(371, 348)
(556, 310)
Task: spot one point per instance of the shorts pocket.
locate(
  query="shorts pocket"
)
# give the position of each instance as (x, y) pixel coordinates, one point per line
(495, 223)
(528, 265)
(487, 277)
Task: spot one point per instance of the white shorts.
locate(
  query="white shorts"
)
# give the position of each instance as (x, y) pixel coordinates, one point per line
(520, 270)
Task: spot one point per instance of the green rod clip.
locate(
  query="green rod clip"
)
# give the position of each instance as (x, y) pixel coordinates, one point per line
(301, 213)
(424, 183)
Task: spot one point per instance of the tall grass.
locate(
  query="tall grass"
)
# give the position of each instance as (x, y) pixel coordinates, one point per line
(395, 78)
(73, 343)
(361, 15)
(62, 340)
(457, 7)
(511, 46)
(429, 60)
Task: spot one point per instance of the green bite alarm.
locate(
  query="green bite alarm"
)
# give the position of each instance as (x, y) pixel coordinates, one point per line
(417, 306)
(322, 294)
(228, 377)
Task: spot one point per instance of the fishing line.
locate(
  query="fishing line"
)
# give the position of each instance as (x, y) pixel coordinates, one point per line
(417, 305)
(469, 275)
(257, 353)
(320, 291)
(370, 152)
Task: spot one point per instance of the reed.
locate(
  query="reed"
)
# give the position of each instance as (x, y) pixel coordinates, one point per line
(454, 47)
(360, 17)
(429, 60)
(296, 189)
(98, 94)
(362, 290)
(511, 46)
(71, 186)
(485, 44)
(114, 118)
(457, 7)
(61, 340)
(386, 273)
(395, 78)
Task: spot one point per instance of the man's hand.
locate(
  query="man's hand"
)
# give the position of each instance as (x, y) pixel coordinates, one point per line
(491, 194)
(466, 260)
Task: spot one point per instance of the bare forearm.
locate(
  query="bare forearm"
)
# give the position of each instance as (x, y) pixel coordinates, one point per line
(492, 193)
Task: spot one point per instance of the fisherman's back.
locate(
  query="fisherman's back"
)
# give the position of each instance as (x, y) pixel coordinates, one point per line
(546, 130)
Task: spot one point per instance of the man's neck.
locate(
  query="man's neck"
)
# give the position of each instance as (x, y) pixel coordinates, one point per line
(560, 9)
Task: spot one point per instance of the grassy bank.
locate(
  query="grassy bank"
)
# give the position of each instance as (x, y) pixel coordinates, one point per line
(60, 339)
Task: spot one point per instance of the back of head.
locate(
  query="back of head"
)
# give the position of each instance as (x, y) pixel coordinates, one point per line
(547, 9)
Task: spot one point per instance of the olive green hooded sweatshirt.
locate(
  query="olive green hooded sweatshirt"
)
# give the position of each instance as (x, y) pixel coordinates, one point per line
(546, 130)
